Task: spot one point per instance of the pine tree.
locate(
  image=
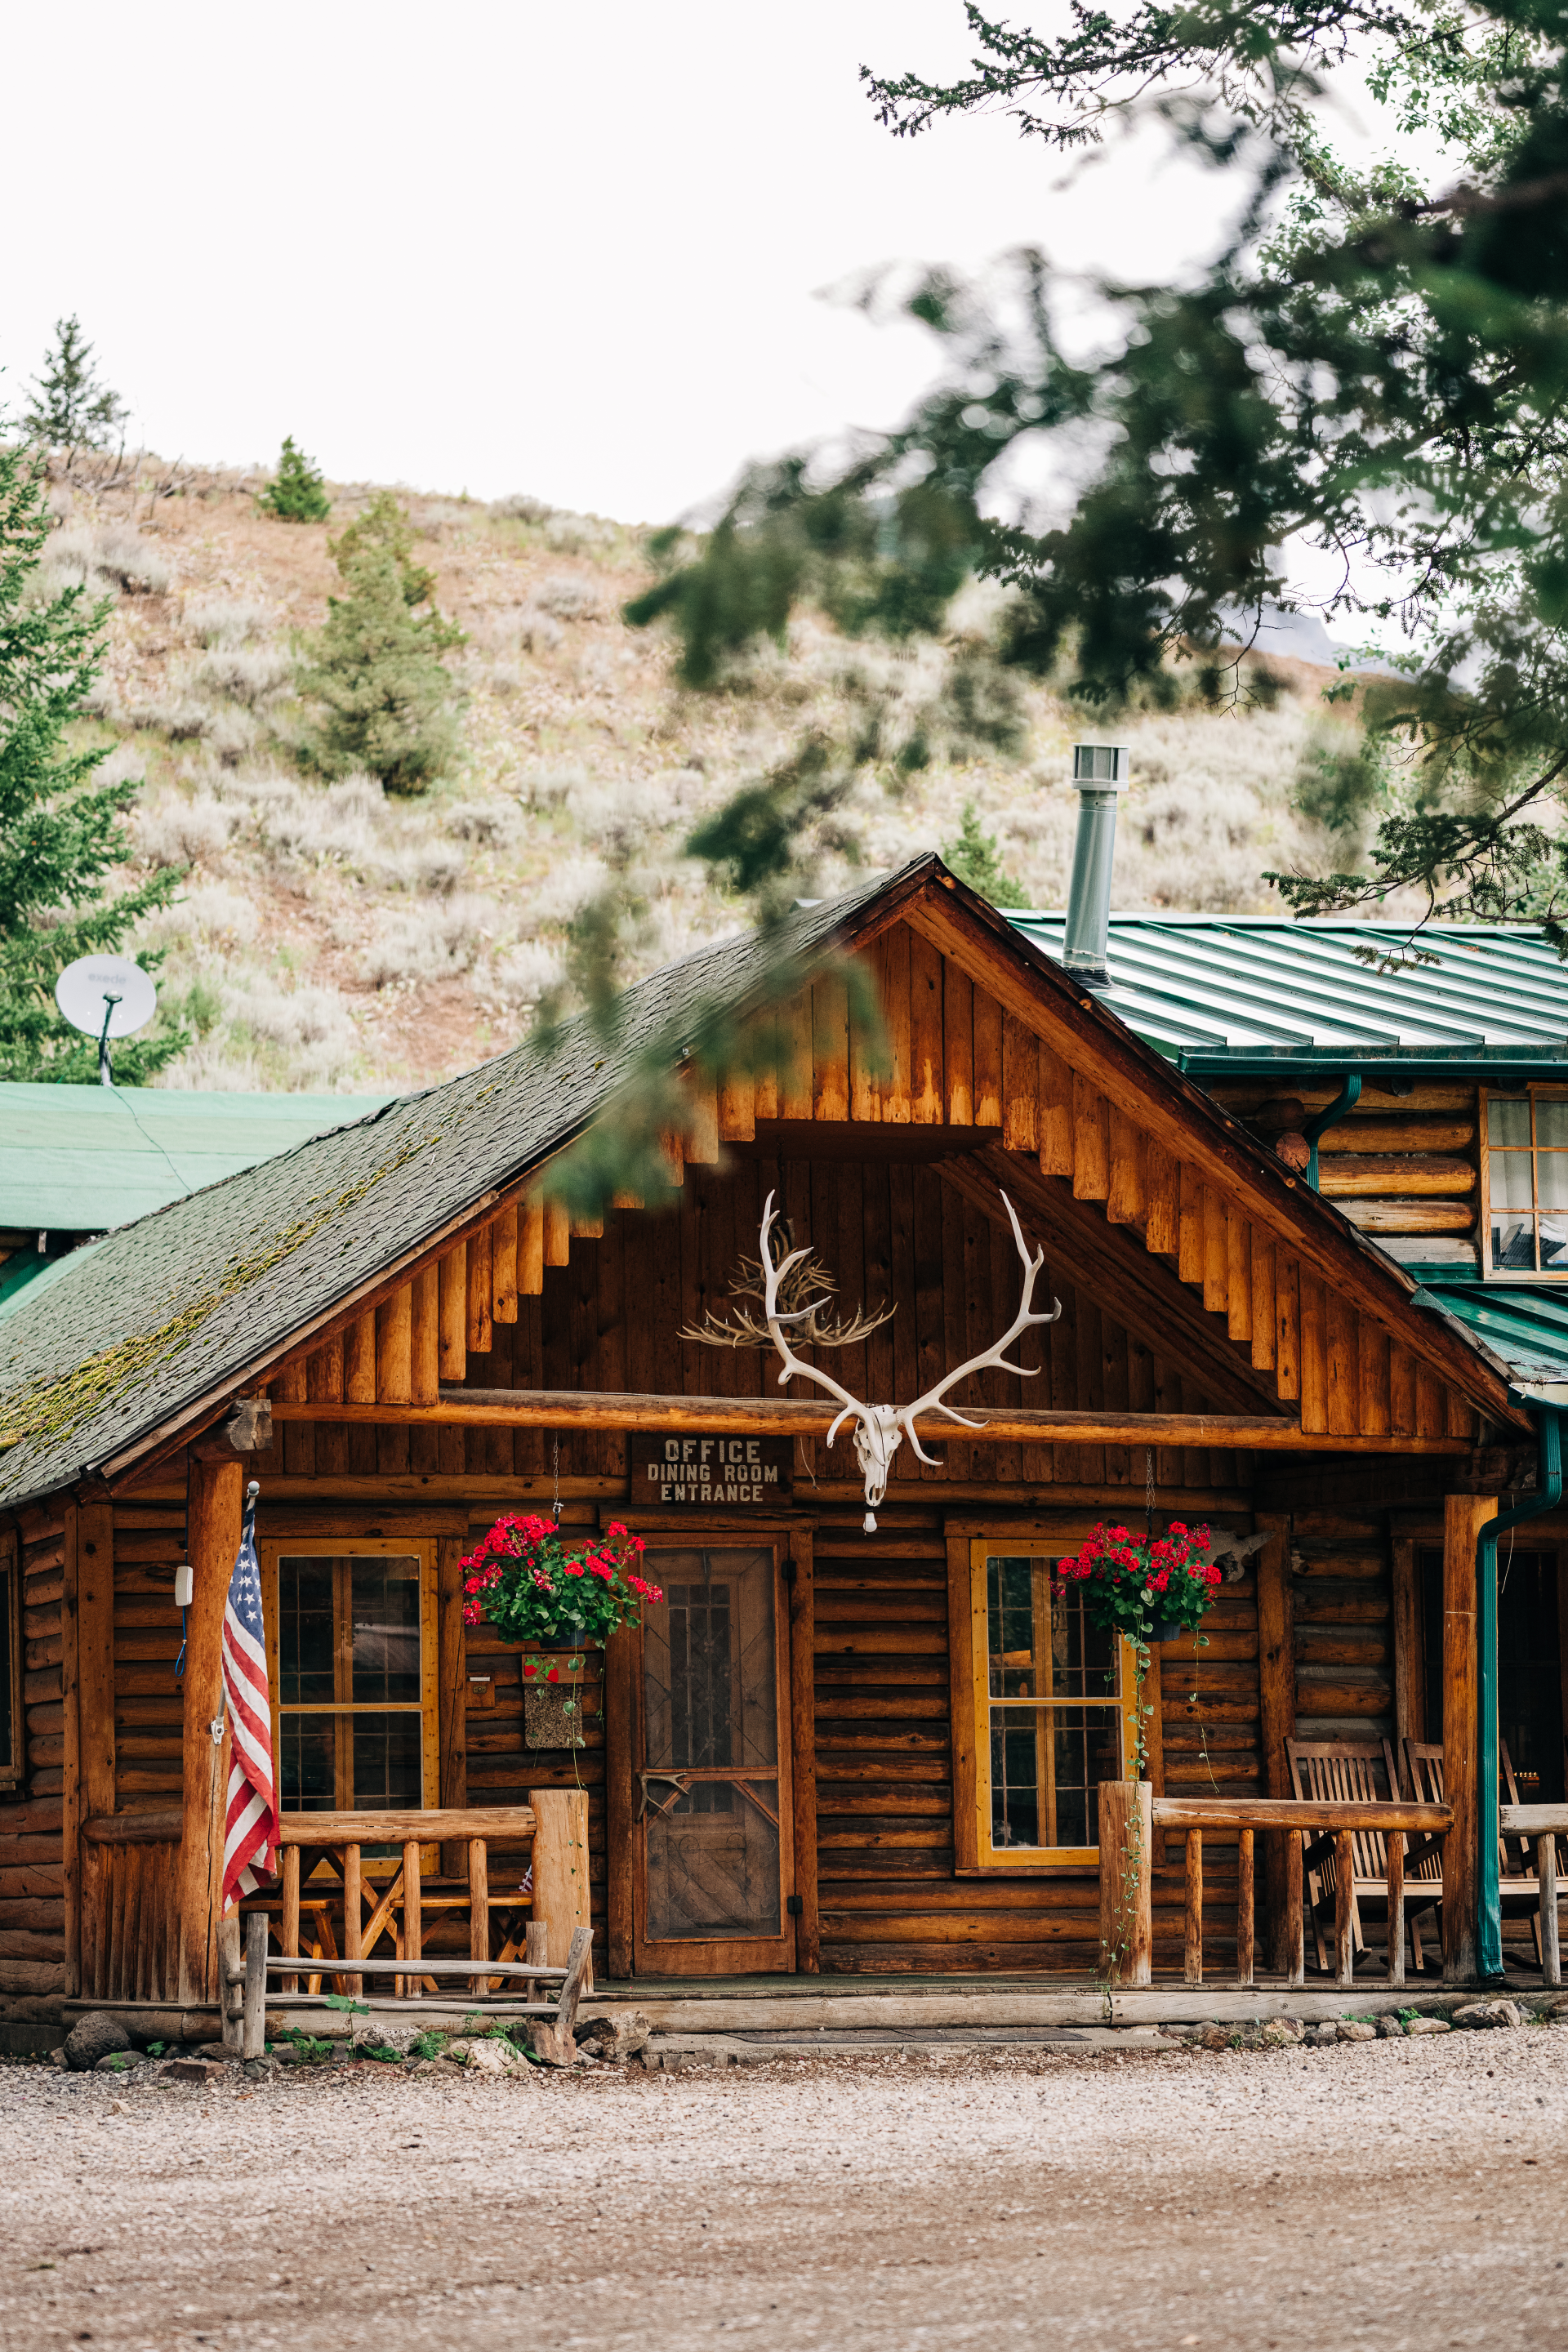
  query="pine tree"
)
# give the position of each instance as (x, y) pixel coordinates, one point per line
(70, 408)
(973, 859)
(378, 668)
(296, 492)
(60, 835)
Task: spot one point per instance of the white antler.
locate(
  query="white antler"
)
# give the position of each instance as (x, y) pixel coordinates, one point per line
(880, 1429)
(994, 1358)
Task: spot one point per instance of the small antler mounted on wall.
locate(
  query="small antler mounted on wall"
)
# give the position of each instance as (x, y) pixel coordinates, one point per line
(794, 1290)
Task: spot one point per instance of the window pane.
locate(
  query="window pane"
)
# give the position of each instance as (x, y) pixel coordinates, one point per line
(1554, 1242)
(1513, 1243)
(1552, 1123)
(386, 1759)
(307, 1764)
(385, 1601)
(1551, 1178)
(1046, 1764)
(1042, 1647)
(1509, 1172)
(1508, 1119)
(304, 1632)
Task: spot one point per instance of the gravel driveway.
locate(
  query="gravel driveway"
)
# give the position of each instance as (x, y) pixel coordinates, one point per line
(1399, 2193)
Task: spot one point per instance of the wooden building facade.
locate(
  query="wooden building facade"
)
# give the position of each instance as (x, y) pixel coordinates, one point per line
(858, 1750)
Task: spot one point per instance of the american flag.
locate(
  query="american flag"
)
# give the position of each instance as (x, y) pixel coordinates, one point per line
(250, 1825)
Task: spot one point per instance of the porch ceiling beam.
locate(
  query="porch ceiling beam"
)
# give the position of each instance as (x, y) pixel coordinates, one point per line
(785, 1417)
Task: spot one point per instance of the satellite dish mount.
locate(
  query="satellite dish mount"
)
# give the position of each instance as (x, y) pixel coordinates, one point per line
(105, 997)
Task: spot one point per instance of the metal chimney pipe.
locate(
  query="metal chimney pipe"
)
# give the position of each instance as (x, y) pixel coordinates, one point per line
(1100, 771)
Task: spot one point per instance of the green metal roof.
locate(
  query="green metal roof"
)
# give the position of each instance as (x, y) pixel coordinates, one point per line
(1230, 992)
(1523, 1328)
(83, 1159)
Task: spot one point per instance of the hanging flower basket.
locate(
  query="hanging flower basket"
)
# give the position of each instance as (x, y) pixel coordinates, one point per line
(536, 1585)
(1148, 1588)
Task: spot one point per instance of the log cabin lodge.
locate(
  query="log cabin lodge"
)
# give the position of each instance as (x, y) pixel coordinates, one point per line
(1307, 1220)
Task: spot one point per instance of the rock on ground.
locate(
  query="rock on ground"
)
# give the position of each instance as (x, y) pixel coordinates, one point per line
(94, 2037)
(1405, 2192)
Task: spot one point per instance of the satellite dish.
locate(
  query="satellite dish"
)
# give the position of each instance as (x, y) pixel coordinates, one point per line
(104, 997)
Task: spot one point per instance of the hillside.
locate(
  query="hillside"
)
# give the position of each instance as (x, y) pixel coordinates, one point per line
(329, 937)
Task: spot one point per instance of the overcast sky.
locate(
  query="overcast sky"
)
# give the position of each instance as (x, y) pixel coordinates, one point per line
(577, 251)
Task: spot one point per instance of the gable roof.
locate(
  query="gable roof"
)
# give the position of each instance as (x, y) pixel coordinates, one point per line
(1233, 992)
(162, 1319)
(166, 1310)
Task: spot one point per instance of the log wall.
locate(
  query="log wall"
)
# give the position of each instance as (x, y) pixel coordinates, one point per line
(33, 1890)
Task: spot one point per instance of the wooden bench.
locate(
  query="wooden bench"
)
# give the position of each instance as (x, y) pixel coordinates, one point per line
(1545, 1824)
(247, 1978)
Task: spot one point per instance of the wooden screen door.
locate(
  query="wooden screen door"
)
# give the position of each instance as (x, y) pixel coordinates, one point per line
(712, 1841)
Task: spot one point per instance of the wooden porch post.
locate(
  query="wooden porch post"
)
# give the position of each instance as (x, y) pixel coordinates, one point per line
(1464, 1517)
(452, 1692)
(561, 1867)
(1277, 1709)
(214, 1498)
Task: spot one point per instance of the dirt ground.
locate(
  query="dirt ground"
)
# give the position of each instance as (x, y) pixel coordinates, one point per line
(1400, 2193)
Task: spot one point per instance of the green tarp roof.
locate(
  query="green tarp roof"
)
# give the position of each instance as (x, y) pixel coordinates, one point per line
(85, 1158)
(1214, 991)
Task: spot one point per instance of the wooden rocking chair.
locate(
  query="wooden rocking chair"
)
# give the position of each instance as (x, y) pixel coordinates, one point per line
(1347, 1771)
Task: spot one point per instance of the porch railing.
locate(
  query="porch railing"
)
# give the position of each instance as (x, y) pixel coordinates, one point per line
(1313, 1831)
(399, 1907)
(131, 1894)
(1545, 1824)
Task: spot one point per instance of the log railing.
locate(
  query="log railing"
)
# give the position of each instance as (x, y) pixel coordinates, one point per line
(344, 1837)
(130, 1880)
(1130, 1820)
(1545, 1824)
(130, 1907)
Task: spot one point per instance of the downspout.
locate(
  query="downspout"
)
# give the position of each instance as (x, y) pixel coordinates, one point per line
(1345, 1100)
(1548, 1495)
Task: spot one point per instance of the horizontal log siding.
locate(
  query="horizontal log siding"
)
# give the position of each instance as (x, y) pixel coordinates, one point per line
(1210, 1748)
(149, 1710)
(1403, 1164)
(1343, 1593)
(32, 1875)
(611, 1318)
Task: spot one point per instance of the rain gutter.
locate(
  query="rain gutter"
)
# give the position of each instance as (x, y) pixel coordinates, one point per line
(1548, 1495)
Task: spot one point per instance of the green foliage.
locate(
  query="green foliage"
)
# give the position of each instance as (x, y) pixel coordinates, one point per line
(70, 408)
(973, 859)
(345, 2001)
(376, 2050)
(378, 669)
(62, 838)
(297, 492)
(429, 2045)
(308, 2051)
(1370, 370)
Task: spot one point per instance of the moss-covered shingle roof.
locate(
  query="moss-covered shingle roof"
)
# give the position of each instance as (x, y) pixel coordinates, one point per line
(162, 1312)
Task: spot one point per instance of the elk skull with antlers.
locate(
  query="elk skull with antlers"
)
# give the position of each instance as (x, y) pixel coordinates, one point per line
(879, 1429)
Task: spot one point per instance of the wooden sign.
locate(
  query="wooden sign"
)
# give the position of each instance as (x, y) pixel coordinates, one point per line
(696, 1471)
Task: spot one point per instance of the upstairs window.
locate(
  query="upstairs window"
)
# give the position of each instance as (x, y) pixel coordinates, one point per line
(1524, 1183)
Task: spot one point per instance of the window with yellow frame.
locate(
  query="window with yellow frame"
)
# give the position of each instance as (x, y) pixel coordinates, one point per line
(1524, 1183)
(1053, 1698)
(352, 1660)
